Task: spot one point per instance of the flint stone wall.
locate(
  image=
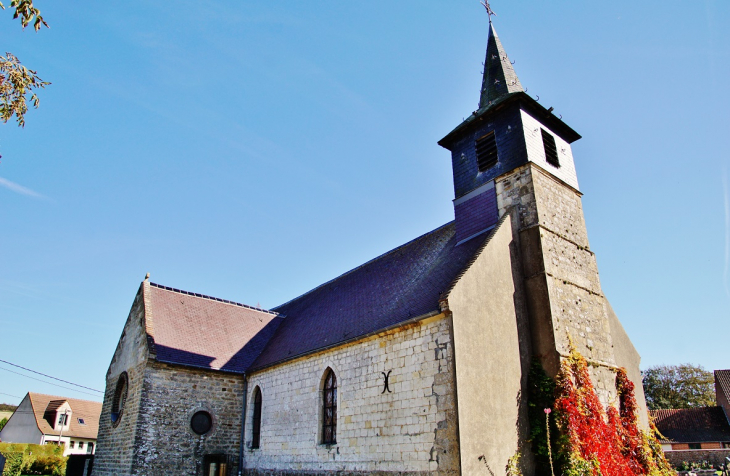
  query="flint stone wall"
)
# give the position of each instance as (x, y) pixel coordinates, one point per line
(410, 429)
(165, 443)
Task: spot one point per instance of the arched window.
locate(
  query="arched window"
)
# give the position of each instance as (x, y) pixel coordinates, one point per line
(329, 407)
(256, 420)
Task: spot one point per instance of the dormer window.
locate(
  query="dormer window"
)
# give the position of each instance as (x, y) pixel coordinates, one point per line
(62, 419)
(486, 149)
(551, 150)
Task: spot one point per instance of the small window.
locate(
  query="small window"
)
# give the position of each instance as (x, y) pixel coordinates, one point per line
(551, 150)
(62, 419)
(120, 398)
(71, 444)
(81, 445)
(695, 446)
(81, 421)
(256, 423)
(329, 407)
(201, 422)
(486, 149)
(90, 448)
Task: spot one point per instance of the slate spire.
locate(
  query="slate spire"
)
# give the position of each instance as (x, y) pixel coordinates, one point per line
(499, 77)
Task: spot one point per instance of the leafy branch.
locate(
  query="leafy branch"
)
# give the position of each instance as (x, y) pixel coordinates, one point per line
(27, 12)
(16, 82)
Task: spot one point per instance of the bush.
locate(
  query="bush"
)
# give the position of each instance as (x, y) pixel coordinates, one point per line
(24, 458)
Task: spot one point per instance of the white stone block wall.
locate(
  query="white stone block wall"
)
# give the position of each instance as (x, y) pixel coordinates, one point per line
(410, 429)
(536, 151)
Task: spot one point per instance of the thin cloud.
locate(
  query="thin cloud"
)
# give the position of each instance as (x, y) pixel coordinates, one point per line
(14, 187)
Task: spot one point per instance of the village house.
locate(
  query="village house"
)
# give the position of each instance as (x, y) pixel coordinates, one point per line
(697, 434)
(415, 362)
(47, 419)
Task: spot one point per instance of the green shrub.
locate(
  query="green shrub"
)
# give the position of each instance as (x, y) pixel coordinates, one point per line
(33, 459)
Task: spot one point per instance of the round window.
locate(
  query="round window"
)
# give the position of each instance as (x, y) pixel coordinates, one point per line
(120, 398)
(201, 422)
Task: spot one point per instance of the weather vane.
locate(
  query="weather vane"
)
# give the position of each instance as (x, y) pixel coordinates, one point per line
(490, 12)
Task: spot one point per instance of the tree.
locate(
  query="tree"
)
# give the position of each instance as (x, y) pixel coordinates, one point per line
(678, 386)
(2, 423)
(17, 81)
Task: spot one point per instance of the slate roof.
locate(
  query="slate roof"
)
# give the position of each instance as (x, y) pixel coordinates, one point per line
(44, 405)
(692, 425)
(399, 285)
(722, 382)
(499, 76)
(201, 331)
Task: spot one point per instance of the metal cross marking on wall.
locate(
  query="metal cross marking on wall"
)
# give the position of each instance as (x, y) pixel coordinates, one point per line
(385, 382)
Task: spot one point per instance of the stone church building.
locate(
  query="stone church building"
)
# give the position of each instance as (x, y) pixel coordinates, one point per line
(413, 363)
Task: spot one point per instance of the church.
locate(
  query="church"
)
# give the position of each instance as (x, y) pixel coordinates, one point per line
(413, 363)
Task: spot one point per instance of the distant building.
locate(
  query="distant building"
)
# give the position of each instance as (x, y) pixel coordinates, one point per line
(697, 434)
(705, 428)
(46, 419)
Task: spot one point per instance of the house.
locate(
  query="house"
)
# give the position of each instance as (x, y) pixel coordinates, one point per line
(47, 419)
(693, 434)
(415, 362)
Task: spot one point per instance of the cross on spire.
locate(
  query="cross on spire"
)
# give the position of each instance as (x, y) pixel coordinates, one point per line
(490, 12)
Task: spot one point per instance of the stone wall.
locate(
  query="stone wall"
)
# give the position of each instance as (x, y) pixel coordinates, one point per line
(716, 457)
(561, 275)
(115, 447)
(410, 429)
(165, 442)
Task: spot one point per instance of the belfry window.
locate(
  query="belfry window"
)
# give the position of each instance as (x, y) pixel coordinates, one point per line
(256, 420)
(486, 149)
(551, 150)
(329, 409)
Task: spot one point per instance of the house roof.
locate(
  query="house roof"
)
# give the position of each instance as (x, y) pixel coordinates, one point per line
(692, 425)
(44, 409)
(201, 331)
(400, 285)
(722, 382)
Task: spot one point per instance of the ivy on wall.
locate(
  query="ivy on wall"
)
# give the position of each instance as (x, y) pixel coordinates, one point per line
(585, 438)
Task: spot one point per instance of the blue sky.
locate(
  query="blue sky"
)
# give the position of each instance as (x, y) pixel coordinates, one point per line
(253, 150)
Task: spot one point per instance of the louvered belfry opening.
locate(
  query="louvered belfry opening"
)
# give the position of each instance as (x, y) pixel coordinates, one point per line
(551, 150)
(329, 422)
(486, 149)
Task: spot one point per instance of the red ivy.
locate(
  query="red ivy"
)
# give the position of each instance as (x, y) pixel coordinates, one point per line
(603, 443)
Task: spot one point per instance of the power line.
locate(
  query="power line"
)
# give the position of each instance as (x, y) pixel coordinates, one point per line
(48, 376)
(49, 383)
(14, 396)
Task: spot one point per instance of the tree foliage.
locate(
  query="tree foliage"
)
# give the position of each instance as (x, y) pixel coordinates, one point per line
(3, 422)
(678, 386)
(17, 83)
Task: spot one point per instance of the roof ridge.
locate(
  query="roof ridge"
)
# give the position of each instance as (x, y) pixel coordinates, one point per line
(363, 265)
(212, 298)
(59, 397)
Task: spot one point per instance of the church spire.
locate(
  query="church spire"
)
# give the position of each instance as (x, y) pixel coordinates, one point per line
(499, 77)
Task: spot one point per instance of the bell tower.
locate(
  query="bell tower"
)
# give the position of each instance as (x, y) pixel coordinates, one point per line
(512, 155)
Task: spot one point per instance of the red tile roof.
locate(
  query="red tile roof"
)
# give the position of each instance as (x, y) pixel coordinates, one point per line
(202, 331)
(46, 405)
(692, 425)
